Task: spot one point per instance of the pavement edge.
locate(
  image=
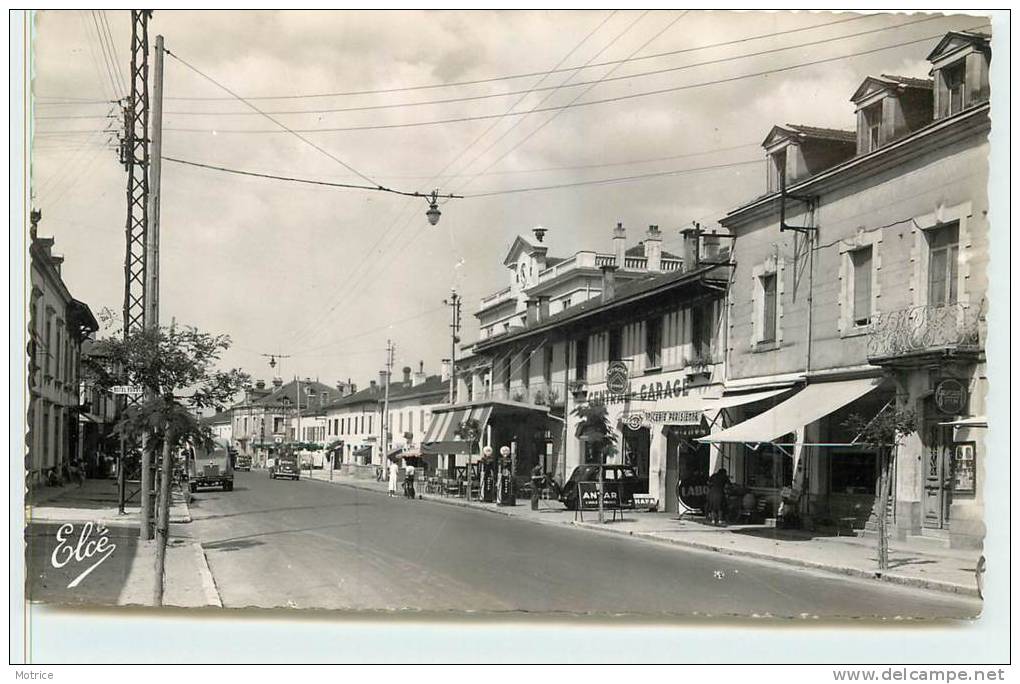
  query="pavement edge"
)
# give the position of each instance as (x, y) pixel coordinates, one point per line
(212, 594)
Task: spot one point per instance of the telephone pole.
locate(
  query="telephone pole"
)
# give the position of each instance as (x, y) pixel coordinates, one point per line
(454, 303)
(384, 438)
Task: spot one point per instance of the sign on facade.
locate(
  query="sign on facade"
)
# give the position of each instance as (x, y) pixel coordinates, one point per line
(951, 397)
(963, 468)
(617, 377)
(129, 390)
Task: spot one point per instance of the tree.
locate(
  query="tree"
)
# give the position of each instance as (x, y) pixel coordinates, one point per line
(596, 430)
(470, 431)
(176, 366)
(884, 433)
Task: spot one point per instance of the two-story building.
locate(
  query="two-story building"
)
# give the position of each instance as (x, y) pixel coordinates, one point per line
(58, 324)
(859, 284)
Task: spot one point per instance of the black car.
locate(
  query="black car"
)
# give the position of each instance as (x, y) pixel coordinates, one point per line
(626, 476)
(285, 466)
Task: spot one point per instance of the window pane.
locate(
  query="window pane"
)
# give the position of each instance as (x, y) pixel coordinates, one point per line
(768, 284)
(581, 369)
(862, 285)
(615, 344)
(653, 341)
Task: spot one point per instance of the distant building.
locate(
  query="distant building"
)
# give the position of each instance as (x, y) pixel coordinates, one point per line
(58, 324)
(221, 424)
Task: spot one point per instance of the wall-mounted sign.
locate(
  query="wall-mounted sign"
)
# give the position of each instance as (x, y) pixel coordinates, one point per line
(964, 469)
(693, 492)
(635, 421)
(129, 390)
(617, 377)
(951, 397)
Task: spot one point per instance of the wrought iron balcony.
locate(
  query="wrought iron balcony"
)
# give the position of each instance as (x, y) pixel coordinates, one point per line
(923, 331)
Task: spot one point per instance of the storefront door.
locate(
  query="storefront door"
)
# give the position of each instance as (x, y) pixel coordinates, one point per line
(685, 458)
(937, 473)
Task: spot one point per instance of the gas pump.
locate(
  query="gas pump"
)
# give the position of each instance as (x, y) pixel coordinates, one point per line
(505, 494)
(487, 476)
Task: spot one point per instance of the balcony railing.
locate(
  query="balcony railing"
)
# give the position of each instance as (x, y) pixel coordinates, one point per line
(495, 298)
(924, 329)
(539, 394)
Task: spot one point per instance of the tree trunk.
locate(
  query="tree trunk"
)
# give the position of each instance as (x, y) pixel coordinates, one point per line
(163, 518)
(145, 514)
(883, 512)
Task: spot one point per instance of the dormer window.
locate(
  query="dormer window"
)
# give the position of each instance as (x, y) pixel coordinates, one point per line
(777, 170)
(953, 79)
(873, 127)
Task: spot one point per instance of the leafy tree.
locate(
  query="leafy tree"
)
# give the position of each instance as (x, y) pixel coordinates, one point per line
(884, 433)
(596, 429)
(176, 366)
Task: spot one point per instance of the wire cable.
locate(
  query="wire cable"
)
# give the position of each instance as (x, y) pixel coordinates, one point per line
(494, 79)
(574, 105)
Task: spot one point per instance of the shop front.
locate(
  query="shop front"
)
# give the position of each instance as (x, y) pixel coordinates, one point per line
(799, 459)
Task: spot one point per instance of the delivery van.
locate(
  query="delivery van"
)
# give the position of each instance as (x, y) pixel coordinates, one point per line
(211, 466)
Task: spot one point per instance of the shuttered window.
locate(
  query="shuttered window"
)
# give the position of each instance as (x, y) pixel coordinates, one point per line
(944, 253)
(861, 260)
(768, 327)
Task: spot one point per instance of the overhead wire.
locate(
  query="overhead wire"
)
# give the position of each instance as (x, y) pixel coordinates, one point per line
(494, 79)
(486, 96)
(118, 67)
(454, 160)
(574, 105)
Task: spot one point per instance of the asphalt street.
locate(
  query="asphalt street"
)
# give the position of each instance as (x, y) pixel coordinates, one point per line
(310, 544)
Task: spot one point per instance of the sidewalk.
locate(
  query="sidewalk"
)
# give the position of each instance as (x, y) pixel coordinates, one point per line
(912, 563)
(189, 583)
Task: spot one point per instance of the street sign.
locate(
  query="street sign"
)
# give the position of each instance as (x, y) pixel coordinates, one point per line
(129, 390)
(617, 377)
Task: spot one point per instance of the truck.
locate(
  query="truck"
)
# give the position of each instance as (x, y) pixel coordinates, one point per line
(210, 466)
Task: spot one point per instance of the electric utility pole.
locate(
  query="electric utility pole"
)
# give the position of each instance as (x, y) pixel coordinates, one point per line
(454, 303)
(134, 155)
(384, 438)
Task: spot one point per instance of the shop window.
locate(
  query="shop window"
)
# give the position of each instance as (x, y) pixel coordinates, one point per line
(653, 342)
(768, 322)
(767, 467)
(852, 472)
(943, 255)
(861, 261)
(616, 344)
(581, 359)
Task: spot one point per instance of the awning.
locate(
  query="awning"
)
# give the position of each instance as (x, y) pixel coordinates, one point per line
(441, 437)
(969, 422)
(362, 451)
(732, 400)
(811, 403)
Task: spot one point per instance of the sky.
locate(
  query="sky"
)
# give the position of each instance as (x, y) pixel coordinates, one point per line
(327, 275)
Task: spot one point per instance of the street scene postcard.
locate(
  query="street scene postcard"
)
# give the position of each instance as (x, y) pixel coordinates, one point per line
(658, 314)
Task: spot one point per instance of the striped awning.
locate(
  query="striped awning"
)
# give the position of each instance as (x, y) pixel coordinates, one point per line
(441, 437)
(362, 451)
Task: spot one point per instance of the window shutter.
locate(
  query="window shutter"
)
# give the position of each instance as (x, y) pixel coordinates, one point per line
(862, 285)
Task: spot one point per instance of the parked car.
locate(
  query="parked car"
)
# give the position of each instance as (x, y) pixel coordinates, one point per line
(627, 476)
(210, 466)
(285, 465)
(242, 462)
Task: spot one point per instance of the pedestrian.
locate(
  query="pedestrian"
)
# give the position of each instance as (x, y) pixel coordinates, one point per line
(409, 481)
(394, 471)
(537, 480)
(717, 496)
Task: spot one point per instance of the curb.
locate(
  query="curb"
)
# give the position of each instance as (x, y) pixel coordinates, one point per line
(212, 595)
(904, 580)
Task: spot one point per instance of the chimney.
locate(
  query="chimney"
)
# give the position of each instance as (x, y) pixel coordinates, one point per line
(532, 316)
(690, 254)
(653, 249)
(407, 376)
(277, 383)
(419, 376)
(608, 283)
(260, 385)
(383, 378)
(371, 384)
(619, 244)
(543, 308)
(444, 374)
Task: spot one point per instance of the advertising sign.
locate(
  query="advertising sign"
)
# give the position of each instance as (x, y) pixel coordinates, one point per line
(951, 397)
(129, 390)
(617, 377)
(693, 492)
(615, 497)
(963, 468)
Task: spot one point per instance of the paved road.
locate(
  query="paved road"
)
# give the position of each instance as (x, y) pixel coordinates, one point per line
(312, 544)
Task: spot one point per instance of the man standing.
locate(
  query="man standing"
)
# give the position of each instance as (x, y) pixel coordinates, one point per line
(537, 480)
(409, 481)
(394, 471)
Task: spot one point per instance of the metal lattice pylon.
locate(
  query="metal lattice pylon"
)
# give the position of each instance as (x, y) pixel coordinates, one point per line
(135, 157)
